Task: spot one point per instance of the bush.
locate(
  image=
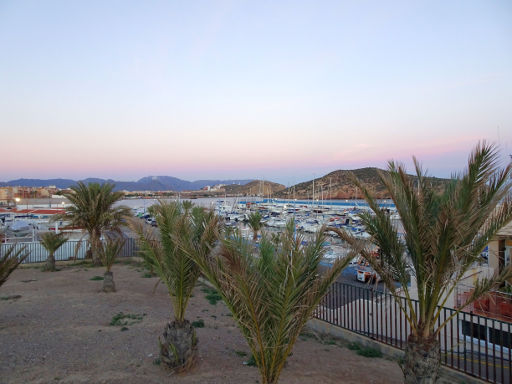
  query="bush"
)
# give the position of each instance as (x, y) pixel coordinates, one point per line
(364, 351)
(122, 319)
(211, 295)
(369, 352)
(198, 323)
(251, 362)
(354, 346)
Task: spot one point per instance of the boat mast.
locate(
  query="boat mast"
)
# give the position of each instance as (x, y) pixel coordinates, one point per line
(313, 196)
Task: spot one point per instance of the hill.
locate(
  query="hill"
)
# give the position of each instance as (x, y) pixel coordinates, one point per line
(255, 187)
(338, 185)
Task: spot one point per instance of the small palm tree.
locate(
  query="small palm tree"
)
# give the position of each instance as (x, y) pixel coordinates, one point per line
(444, 235)
(187, 205)
(271, 294)
(196, 230)
(108, 254)
(10, 260)
(93, 208)
(255, 224)
(51, 241)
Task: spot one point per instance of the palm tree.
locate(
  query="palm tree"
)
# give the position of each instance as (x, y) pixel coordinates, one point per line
(255, 224)
(108, 254)
(187, 205)
(92, 208)
(444, 235)
(196, 230)
(51, 241)
(271, 294)
(10, 260)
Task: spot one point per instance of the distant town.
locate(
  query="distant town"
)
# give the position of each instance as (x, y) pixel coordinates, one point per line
(22, 195)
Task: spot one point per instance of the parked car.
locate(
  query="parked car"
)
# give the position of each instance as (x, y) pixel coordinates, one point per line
(366, 274)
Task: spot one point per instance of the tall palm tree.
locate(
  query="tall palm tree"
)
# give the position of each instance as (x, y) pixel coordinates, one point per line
(92, 208)
(109, 251)
(196, 230)
(255, 224)
(271, 294)
(444, 235)
(10, 260)
(51, 241)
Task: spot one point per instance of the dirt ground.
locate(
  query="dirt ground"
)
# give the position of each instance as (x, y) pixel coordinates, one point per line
(59, 331)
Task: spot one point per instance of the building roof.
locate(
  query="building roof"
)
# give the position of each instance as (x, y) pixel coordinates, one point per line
(506, 230)
(44, 200)
(36, 211)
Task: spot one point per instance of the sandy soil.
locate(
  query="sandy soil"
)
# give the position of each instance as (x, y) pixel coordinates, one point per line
(58, 332)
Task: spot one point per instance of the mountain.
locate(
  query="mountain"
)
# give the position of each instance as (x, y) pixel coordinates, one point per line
(338, 185)
(149, 183)
(59, 183)
(175, 184)
(255, 187)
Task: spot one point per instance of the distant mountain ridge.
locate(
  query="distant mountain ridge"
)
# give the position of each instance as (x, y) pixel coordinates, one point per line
(339, 185)
(148, 183)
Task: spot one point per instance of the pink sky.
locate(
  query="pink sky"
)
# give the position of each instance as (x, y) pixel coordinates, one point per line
(282, 91)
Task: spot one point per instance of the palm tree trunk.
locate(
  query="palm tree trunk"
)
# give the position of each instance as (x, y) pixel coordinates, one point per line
(50, 263)
(255, 235)
(422, 360)
(268, 380)
(95, 244)
(178, 349)
(108, 282)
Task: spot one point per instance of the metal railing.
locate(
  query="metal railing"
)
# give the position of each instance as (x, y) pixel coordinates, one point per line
(70, 250)
(476, 345)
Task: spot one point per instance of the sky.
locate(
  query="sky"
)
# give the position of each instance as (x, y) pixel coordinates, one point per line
(281, 90)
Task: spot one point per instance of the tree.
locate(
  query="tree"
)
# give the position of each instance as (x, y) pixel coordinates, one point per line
(196, 230)
(271, 292)
(187, 205)
(444, 235)
(109, 251)
(51, 241)
(10, 260)
(92, 208)
(255, 224)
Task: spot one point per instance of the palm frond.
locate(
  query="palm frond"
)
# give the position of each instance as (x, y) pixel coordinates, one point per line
(271, 291)
(52, 241)
(443, 234)
(180, 232)
(93, 208)
(10, 260)
(109, 251)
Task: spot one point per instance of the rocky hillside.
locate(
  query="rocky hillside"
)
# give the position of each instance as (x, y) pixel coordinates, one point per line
(256, 187)
(338, 185)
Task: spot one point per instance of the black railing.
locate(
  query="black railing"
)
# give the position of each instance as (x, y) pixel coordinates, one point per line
(70, 250)
(477, 345)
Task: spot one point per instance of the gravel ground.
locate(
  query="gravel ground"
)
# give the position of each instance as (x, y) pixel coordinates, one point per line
(59, 331)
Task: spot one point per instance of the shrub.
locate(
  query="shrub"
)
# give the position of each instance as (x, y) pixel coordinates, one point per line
(198, 323)
(126, 319)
